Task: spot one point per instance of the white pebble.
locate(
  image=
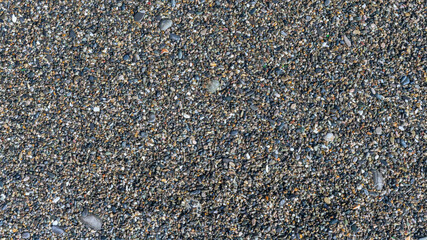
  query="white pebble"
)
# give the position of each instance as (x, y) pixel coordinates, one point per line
(56, 199)
(91, 221)
(347, 41)
(329, 137)
(186, 115)
(96, 109)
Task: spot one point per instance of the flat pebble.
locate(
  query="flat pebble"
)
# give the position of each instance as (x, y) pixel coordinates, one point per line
(329, 137)
(91, 221)
(347, 41)
(165, 24)
(26, 235)
(213, 86)
(174, 37)
(378, 180)
(57, 230)
(138, 16)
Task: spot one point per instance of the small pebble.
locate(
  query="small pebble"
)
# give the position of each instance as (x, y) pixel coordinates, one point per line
(378, 180)
(57, 230)
(329, 137)
(405, 81)
(378, 130)
(138, 17)
(347, 41)
(174, 37)
(165, 24)
(26, 235)
(213, 86)
(91, 221)
(152, 118)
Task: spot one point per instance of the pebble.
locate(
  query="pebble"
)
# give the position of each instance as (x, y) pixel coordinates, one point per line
(347, 41)
(138, 16)
(405, 81)
(213, 86)
(96, 109)
(57, 230)
(174, 37)
(378, 180)
(329, 137)
(26, 235)
(378, 130)
(152, 118)
(165, 24)
(91, 221)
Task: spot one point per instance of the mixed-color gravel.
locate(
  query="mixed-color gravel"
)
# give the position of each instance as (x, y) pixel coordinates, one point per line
(213, 119)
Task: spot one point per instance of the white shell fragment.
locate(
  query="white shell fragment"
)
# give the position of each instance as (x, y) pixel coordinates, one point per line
(378, 180)
(91, 221)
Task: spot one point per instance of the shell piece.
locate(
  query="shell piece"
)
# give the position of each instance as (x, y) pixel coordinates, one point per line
(378, 180)
(92, 221)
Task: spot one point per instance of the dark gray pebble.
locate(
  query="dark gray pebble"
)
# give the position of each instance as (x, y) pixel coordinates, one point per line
(138, 16)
